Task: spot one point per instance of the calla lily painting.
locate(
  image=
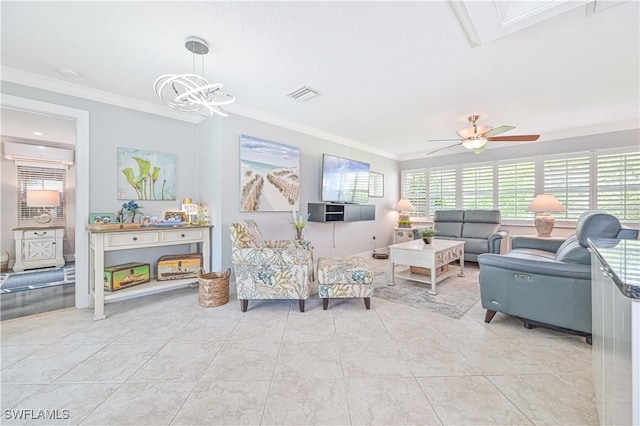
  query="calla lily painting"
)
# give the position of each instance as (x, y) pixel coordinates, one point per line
(146, 175)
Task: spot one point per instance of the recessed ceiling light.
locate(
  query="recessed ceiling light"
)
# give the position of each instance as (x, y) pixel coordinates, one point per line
(37, 133)
(68, 72)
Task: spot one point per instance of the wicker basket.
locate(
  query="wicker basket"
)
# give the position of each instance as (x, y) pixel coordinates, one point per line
(214, 288)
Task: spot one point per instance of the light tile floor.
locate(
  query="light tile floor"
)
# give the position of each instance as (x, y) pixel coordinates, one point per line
(162, 359)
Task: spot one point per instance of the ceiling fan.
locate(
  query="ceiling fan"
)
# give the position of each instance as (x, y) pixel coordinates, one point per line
(477, 136)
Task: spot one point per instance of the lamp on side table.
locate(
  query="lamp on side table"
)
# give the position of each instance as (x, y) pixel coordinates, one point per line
(542, 205)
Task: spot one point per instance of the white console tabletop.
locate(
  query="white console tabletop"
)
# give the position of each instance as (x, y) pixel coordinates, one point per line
(102, 241)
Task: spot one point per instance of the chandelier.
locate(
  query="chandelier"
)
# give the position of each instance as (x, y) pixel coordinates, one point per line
(192, 92)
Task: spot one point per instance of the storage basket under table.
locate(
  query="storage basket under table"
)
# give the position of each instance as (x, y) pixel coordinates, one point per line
(213, 288)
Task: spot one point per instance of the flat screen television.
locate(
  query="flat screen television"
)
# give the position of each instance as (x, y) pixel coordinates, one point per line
(344, 180)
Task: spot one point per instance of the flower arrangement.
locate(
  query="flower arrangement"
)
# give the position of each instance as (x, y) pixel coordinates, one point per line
(130, 208)
(299, 221)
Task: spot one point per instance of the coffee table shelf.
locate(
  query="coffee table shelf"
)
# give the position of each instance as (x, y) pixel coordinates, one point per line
(431, 256)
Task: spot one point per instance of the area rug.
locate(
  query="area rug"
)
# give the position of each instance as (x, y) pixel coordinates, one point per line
(456, 295)
(29, 280)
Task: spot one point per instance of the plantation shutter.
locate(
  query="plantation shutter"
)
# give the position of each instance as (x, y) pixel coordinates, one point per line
(48, 177)
(516, 189)
(414, 189)
(477, 187)
(618, 185)
(568, 180)
(442, 189)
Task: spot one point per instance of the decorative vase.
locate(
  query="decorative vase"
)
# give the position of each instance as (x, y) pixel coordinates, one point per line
(299, 235)
(427, 240)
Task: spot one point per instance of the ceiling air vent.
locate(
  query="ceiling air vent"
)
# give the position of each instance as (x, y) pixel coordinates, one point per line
(303, 94)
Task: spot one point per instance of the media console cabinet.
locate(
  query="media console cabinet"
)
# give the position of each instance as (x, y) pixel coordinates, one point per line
(330, 212)
(102, 241)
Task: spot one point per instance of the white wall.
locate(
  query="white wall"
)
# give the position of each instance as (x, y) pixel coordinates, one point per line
(112, 127)
(350, 238)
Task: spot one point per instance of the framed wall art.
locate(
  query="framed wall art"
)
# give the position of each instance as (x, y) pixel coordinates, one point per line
(269, 175)
(146, 175)
(376, 184)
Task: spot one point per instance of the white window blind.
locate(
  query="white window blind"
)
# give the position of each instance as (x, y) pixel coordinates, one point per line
(40, 177)
(568, 180)
(477, 187)
(618, 185)
(516, 189)
(414, 188)
(442, 189)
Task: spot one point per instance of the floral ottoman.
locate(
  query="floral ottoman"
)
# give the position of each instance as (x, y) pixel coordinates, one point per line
(346, 277)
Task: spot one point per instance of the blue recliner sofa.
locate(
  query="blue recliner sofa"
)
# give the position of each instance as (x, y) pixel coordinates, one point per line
(548, 282)
(479, 229)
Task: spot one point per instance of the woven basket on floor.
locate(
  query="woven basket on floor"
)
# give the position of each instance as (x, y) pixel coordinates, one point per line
(214, 288)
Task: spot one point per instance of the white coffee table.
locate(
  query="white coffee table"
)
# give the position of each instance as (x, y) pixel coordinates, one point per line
(432, 256)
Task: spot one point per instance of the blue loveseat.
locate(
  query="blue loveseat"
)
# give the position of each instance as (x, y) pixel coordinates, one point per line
(479, 229)
(547, 282)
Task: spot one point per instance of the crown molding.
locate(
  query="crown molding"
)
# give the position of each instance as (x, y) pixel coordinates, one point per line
(26, 78)
(307, 130)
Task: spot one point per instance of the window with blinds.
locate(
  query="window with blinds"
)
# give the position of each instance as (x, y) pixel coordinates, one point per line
(40, 177)
(442, 189)
(516, 189)
(569, 180)
(414, 189)
(477, 187)
(618, 185)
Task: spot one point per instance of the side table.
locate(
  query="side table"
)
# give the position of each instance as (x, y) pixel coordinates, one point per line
(38, 247)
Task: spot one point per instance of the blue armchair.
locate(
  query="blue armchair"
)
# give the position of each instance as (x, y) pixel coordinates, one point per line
(547, 282)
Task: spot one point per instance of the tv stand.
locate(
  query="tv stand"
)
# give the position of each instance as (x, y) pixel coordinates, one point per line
(340, 212)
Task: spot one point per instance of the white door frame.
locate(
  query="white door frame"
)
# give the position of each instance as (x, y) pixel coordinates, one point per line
(82, 182)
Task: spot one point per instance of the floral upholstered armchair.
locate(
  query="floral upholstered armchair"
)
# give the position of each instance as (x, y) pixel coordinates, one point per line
(269, 269)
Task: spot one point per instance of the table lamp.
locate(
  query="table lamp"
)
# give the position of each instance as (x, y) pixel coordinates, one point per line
(404, 206)
(542, 205)
(43, 198)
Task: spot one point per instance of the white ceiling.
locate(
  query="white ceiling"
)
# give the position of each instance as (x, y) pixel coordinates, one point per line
(390, 74)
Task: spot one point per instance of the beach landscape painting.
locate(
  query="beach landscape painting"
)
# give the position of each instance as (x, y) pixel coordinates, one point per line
(269, 175)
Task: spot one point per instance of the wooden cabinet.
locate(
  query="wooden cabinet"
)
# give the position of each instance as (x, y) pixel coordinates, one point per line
(329, 212)
(198, 237)
(38, 247)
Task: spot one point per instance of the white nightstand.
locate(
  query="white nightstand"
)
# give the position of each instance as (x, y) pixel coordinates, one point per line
(38, 247)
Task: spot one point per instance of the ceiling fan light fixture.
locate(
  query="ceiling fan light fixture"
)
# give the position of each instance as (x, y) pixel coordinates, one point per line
(472, 131)
(474, 142)
(191, 92)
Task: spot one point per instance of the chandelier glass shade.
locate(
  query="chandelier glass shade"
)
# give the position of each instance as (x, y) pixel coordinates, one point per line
(474, 142)
(191, 92)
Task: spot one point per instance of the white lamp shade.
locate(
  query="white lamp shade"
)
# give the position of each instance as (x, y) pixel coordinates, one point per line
(546, 203)
(43, 198)
(404, 205)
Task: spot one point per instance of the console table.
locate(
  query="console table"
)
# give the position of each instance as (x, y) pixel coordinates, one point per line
(102, 241)
(38, 247)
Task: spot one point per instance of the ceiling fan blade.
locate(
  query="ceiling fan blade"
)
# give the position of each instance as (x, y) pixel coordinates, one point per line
(442, 140)
(498, 130)
(441, 149)
(516, 138)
